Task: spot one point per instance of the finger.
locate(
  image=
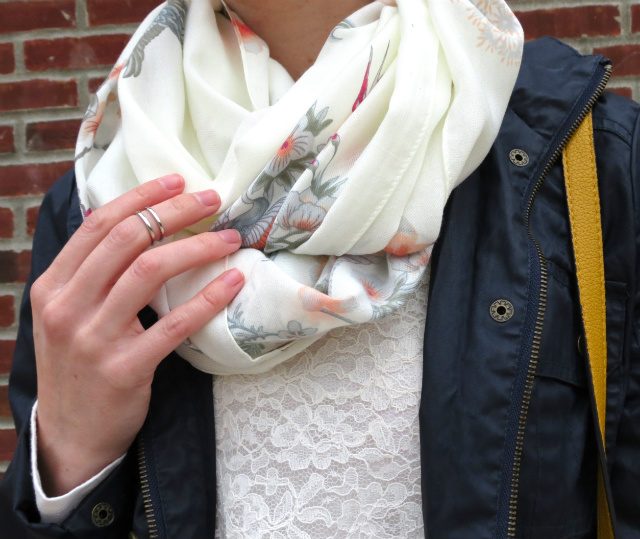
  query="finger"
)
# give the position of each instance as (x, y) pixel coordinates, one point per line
(171, 330)
(129, 238)
(142, 280)
(100, 222)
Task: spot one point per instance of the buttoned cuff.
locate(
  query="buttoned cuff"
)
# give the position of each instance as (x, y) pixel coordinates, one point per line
(55, 510)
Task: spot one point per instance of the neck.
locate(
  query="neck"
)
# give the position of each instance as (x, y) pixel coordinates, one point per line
(294, 30)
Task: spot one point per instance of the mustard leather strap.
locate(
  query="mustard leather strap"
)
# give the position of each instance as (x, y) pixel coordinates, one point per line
(581, 181)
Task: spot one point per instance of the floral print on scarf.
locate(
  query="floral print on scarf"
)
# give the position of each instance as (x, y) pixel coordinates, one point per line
(336, 182)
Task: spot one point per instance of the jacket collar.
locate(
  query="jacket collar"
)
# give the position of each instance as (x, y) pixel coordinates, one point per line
(554, 86)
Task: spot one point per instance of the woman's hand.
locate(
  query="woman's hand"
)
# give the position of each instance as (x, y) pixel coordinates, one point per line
(95, 361)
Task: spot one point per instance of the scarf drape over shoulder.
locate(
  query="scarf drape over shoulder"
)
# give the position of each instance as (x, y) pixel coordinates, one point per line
(337, 182)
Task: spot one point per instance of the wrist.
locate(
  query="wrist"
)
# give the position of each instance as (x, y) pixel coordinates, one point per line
(65, 463)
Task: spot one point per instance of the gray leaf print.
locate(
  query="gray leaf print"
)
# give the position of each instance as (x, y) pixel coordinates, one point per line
(84, 152)
(172, 16)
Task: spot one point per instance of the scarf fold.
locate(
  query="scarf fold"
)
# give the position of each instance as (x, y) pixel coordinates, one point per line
(337, 182)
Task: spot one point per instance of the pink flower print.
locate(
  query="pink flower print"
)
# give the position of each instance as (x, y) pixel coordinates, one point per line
(499, 31)
(375, 293)
(304, 213)
(364, 86)
(364, 89)
(296, 146)
(313, 301)
(115, 72)
(416, 262)
(405, 241)
(251, 42)
(260, 244)
(422, 259)
(93, 116)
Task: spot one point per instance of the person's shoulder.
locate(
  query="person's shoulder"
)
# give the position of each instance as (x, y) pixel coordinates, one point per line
(60, 213)
(549, 50)
(63, 189)
(553, 69)
(619, 115)
(556, 79)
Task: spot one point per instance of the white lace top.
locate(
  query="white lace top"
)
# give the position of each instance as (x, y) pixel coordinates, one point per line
(326, 445)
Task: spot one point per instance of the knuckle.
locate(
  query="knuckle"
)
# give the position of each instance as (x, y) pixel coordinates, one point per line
(55, 319)
(214, 297)
(39, 293)
(181, 204)
(123, 234)
(119, 372)
(83, 341)
(177, 326)
(146, 267)
(142, 192)
(206, 241)
(95, 223)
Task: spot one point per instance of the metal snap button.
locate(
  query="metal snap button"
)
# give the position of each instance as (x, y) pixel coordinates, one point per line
(519, 158)
(581, 347)
(132, 535)
(501, 310)
(102, 515)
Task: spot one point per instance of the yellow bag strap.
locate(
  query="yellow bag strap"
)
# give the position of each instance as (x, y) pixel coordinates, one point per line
(581, 180)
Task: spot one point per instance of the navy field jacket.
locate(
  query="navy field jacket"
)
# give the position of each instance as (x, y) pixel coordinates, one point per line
(507, 437)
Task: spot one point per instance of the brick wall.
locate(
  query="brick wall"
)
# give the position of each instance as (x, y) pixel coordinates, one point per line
(53, 53)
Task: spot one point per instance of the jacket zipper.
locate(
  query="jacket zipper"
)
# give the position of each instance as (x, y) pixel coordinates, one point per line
(542, 303)
(147, 498)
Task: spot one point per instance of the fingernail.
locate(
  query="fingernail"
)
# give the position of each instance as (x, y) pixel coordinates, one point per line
(230, 235)
(208, 198)
(232, 277)
(171, 182)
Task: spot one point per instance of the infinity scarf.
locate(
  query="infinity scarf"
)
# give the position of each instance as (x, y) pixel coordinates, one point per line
(337, 182)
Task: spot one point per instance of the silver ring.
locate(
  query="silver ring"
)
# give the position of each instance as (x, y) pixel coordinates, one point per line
(155, 216)
(148, 225)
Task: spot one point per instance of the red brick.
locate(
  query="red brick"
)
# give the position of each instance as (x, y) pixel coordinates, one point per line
(5, 409)
(48, 136)
(6, 223)
(94, 84)
(73, 53)
(6, 139)
(14, 267)
(626, 92)
(34, 179)
(7, 349)
(32, 219)
(571, 22)
(119, 11)
(16, 180)
(39, 93)
(7, 311)
(625, 58)
(21, 16)
(8, 443)
(7, 60)
(635, 18)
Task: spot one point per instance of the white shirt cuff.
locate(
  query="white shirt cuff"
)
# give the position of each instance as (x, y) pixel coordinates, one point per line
(55, 510)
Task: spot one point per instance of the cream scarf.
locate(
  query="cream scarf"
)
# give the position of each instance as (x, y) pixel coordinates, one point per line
(337, 182)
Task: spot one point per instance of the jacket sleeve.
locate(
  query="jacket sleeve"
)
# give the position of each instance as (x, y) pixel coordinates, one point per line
(59, 216)
(625, 468)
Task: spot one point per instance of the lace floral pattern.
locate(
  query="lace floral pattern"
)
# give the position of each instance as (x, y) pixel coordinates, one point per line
(326, 445)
